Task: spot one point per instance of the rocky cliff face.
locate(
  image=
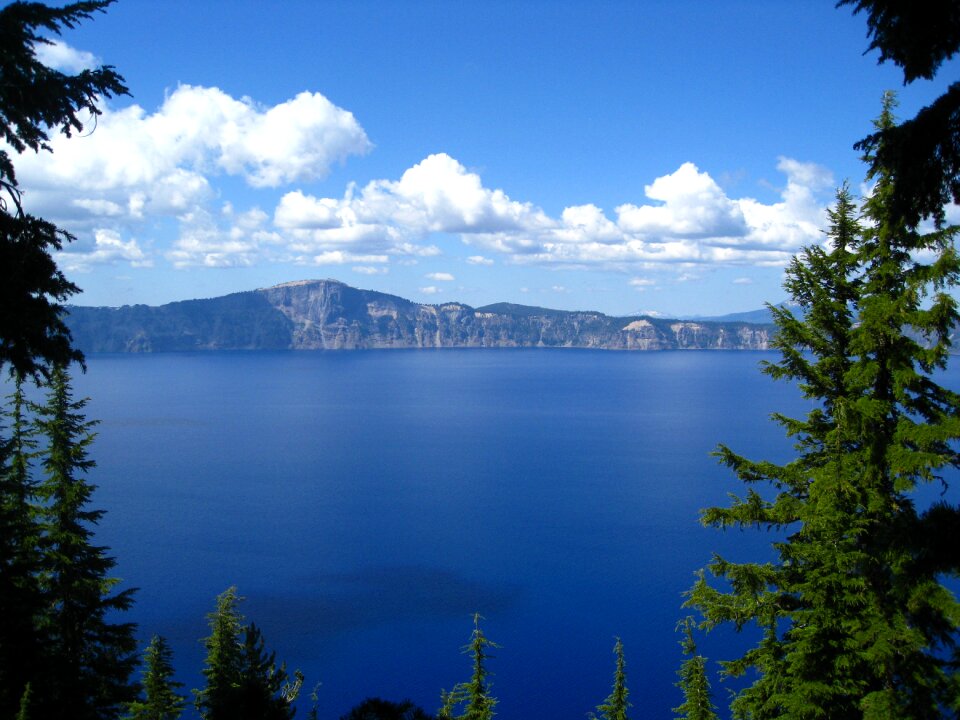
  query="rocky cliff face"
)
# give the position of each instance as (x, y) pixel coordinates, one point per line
(329, 315)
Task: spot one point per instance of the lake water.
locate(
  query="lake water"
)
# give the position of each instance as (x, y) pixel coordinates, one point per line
(367, 503)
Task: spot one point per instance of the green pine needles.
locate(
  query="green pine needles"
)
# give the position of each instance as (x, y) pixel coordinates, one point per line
(474, 695)
(243, 680)
(854, 618)
(616, 705)
(697, 697)
(160, 701)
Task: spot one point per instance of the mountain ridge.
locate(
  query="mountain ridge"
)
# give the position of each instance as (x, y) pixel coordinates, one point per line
(331, 315)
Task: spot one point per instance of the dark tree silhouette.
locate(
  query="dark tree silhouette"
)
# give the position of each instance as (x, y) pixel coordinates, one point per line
(89, 657)
(36, 100)
(377, 709)
(922, 154)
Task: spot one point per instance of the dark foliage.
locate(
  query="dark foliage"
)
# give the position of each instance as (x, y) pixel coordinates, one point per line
(34, 101)
(20, 599)
(62, 653)
(89, 657)
(161, 699)
(35, 98)
(33, 336)
(377, 709)
(922, 154)
(262, 688)
(917, 36)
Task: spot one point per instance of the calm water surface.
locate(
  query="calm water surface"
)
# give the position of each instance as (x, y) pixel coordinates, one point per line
(367, 503)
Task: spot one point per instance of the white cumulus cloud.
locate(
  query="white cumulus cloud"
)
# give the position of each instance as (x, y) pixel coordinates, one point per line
(438, 194)
(294, 141)
(298, 211)
(693, 206)
(691, 220)
(141, 169)
(137, 168)
(687, 219)
(198, 131)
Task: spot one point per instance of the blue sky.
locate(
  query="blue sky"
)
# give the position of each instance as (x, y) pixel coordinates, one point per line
(616, 156)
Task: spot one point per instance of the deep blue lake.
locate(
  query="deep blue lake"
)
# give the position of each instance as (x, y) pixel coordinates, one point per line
(368, 503)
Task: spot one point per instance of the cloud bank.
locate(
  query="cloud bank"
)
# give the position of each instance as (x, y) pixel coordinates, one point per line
(136, 167)
(688, 219)
(140, 174)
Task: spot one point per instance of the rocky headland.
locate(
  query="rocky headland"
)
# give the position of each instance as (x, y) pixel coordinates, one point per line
(329, 315)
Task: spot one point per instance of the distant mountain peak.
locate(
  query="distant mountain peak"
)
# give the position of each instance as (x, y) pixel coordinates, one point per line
(303, 283)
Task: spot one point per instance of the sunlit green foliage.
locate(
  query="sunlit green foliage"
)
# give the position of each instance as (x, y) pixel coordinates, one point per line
(616, 705)
(243, 679)
(473, 695)
(853, 617)
(697, 697)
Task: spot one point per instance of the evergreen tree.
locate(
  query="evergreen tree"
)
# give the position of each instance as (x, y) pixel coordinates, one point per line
(89, 659)
(35, 101)
(243, 680)
(853, 616)
(59, 657)
(697, 698)
(377, 709)
(218, 699)
(263, 688)
(474, 695)
(20, 600)
(616, 705)
(923, 153)
(160, 701)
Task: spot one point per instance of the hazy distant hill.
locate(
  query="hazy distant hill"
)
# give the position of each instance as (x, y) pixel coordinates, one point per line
(762, 316)
(327, 314)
